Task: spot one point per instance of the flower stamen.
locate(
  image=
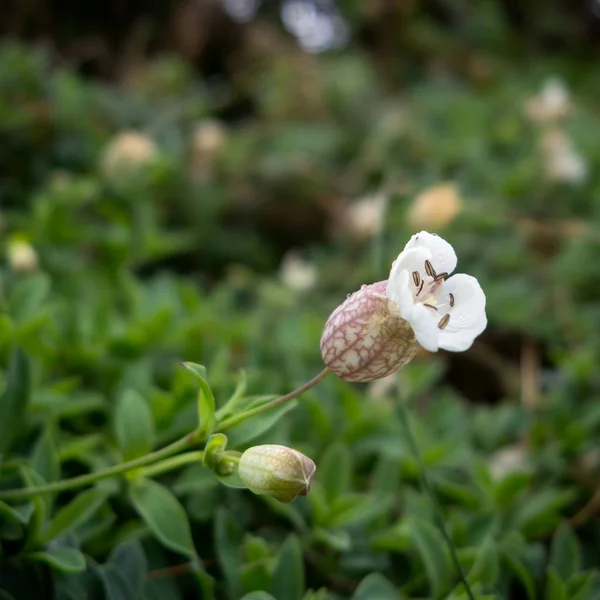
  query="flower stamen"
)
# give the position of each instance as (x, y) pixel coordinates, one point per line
(429, 269)
(440, 276)
(451, 296)
(444, 321)
(431, 306)
(421, 287)
(416, 278)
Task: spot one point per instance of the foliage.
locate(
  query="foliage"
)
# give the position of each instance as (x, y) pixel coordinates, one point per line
(174, 259)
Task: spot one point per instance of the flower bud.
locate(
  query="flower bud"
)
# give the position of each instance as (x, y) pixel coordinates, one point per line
(22, 256)
(127, 153)
(277, 471)
(435, 208)
(363, 340)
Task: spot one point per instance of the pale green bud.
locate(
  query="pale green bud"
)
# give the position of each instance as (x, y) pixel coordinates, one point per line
(277, 471)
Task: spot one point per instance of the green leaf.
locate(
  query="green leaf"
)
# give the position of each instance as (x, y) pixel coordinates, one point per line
(375, 586)
(164, 516)
(432, 549)
(486, 567)
(14, 400)
(238, 394)
(20, 514)
(76, 512)
(116, 586)
(40, 504)
(511, 558)
(251, 428)
(565, 553)
(335, 470)
(44, 458)
(29, 297)
(129, 559)
(232, 479)
(259, 596)
(134, 425)
(65, 560)
(579, 587)
(555, 588)
(228, 538)
(206, 400)
(288, 577)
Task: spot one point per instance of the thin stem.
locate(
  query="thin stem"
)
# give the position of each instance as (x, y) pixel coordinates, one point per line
(439, 516)
(235, 419)
(174, 462)
(90, 478)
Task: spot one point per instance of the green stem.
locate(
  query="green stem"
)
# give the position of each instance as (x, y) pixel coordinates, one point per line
(90, 478)
(439, 516)
(174, 462)
(235, 419)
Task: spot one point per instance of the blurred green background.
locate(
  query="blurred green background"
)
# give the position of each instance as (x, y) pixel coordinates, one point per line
(206, 181)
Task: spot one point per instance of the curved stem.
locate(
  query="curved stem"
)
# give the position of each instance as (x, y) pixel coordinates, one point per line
(90, 478)
(439, 517)
(174, 462)
(235, 419)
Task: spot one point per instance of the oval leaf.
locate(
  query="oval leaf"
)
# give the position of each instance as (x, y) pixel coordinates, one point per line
(374, 586)
(65, 560)
(76, 512)
(134, 425)
(288, 577)
(206, 399)
(164, 516)
(14, 400)
(247, 430)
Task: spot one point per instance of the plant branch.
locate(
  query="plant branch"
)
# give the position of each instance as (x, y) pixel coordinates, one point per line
(91, 478)
(235, 419)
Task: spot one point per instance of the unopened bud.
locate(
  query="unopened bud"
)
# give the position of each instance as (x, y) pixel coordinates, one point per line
(127, 153)
(277, 471)
(22, 256)
(435, 208)
(363, 340)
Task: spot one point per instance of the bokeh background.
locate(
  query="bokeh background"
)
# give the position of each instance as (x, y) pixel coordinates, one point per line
(206, 180)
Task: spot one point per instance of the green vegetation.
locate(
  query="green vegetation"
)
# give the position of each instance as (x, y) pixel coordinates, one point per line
(142, 229)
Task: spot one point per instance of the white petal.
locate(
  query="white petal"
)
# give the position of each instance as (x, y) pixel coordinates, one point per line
(424, 323)
(443, 257)
(409, 260)
(467, 318)
(421, 319)
(399, 291)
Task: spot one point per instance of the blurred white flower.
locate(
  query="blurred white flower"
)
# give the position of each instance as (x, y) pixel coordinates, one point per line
(22, 256)
(317, 25)
(364, 218)
(443, 313)
(208, 137)
(561, 160)
(128, 152)
(551, 103)
(297, 273)
(435, 207)
(507, 461)
(241, 11)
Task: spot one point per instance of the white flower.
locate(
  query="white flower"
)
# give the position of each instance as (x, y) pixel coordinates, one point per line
(22, 256)
(443, 313)
(561, 160)
(551, 103)
(365, 217)
(297, 273)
